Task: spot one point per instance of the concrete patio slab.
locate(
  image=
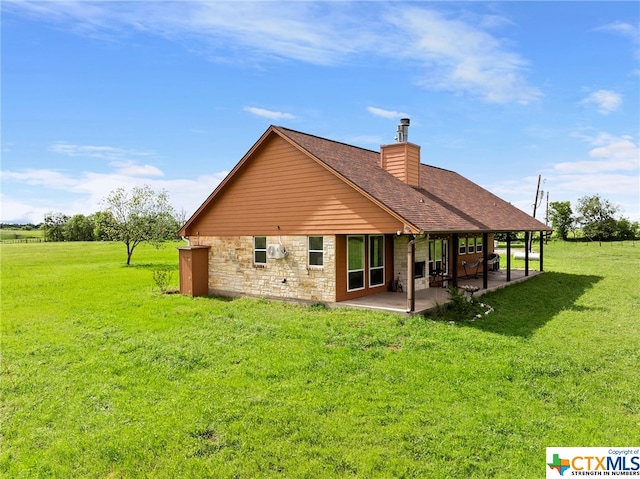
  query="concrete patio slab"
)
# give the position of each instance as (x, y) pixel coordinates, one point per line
(427, 299)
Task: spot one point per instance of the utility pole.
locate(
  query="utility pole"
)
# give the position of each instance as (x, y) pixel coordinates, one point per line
(546, 220)
(538, 200)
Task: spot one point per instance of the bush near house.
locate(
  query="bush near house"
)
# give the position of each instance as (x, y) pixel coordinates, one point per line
(104, 376)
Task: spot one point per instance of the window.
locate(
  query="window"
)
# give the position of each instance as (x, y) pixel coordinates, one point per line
(259, 250)
(432, 255)
(471, 245)
(418, 269)
(462, 245)
(376, 260)
(478, 245)
(316, 250)
(437, 257)
(445, 256)
(355, 263)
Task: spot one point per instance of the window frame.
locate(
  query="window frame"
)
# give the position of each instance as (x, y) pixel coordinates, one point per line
(438, 259)
(479, 245)
(315, 251)
(376, 269)
(362, 270)
(471, 244)
(419, 268)
(462, 246)
(257, 250)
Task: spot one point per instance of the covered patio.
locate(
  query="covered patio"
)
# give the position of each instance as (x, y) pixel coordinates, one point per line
(426, 299)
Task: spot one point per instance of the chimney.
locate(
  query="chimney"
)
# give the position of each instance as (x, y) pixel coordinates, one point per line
(402, 159)
(403, 130)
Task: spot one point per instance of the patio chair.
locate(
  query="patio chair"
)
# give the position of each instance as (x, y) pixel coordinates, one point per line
(475, 265)
(493, 263)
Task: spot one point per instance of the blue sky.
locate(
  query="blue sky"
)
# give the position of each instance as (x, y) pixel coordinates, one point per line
(97, 95)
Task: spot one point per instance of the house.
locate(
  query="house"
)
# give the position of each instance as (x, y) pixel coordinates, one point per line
(311, 219)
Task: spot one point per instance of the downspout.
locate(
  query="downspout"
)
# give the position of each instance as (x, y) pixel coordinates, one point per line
(411, 281)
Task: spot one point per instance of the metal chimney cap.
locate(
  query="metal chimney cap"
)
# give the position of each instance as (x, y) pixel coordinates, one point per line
(405, 121)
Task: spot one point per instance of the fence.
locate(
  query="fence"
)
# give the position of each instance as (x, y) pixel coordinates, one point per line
(21, 240)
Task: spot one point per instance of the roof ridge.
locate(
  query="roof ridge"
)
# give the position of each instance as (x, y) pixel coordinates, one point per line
(440, 168)
(326, 139)
(352, 146)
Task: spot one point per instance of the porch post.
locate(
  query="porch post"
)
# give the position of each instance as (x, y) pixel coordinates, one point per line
(541, 248)
(411, 283)
(508, 256)
(485, 259)
(454, 262)
(527, 234)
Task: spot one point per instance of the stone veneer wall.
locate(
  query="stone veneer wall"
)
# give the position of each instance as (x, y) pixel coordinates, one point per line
(400, 260)
(232, 272)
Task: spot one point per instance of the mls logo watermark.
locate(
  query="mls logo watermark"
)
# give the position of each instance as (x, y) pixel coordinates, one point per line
(593, 461)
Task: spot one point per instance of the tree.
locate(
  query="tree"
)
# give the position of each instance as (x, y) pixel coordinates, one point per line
(561, 217)
(103, 222)
(141, 215)
(596, 218)
(54, 226)
(79, 228)
(626, 230)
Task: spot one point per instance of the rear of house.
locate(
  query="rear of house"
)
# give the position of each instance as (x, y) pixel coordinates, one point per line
(307, 218)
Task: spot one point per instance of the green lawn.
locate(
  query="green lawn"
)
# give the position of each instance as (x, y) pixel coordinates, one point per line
(13, 235)
(103, 376)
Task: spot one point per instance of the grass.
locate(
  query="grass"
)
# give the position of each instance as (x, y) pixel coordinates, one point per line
(103, 376)
(14, 235)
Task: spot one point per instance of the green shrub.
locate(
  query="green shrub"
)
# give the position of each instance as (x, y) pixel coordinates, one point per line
(162, 278)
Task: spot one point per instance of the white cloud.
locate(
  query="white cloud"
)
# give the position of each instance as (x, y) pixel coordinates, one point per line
(607, 101)
(115, 156)
(610, 153)
(611, 168)
(462, 58)
(272, 115)
(21, 212)
(39, 177)
(625, 30)
(458, 54)
(386, 113)
(95, 151)
(621, 28)
(129, 168)
(84, 193)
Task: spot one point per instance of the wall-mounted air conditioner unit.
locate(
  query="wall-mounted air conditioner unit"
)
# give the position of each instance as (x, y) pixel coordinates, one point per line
(276, 251)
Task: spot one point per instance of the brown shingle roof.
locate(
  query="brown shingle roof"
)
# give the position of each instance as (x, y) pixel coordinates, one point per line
(445, 201)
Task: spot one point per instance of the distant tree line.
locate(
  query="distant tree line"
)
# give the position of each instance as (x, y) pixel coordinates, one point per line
(594, 217)
(20, 226)
(131, 217)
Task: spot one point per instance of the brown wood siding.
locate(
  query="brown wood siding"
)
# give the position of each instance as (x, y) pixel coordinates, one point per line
(388, 249)
(282, 187)
(413, 164)
(341, 269)
(402, 160)
(473, 257)
(194, 271)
